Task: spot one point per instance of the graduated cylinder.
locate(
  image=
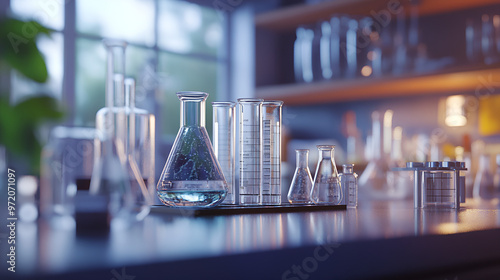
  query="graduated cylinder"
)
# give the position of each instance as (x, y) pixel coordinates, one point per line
(271, 153)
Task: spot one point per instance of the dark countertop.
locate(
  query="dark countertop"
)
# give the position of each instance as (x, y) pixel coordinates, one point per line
(378, 239)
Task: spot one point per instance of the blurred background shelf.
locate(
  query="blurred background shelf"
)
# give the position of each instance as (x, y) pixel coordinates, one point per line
(289, 18)
(371, 88)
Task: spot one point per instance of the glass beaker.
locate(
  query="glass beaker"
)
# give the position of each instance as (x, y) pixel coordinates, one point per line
(67, 162)
(271, 153)
(300, 189)
(224, 143)
(192, 176)
(326, 187)
(250, 149)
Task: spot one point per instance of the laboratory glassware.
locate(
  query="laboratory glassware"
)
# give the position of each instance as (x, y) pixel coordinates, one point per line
(438, 184)
(373, 180)
(224, 129)
(140, 151)
(297, 55)
(326, 187)
(109, 183)
(349, 183)
(496, 176)
(325, 50)
(192, 175)
(66, 165)
(271, 152)
(300, 189)
(483, 183)
(250, 135)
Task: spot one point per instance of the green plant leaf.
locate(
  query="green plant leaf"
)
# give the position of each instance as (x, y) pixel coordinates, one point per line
(18, 125)
(19, 50)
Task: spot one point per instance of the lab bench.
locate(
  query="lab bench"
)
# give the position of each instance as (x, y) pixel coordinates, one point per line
(379, 239)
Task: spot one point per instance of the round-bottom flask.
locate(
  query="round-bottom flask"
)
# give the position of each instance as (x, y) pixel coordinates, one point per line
(192, 176)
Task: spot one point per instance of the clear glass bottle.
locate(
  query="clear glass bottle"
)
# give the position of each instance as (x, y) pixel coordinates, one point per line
(326, 187)
(224, 130)
(271, 153)
(349, 183)
(300, 189)
(192, 175)
(483, 183)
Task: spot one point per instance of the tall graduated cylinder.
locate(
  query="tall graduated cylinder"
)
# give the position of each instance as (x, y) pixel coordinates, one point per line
(250, 135)
(271, 153)
(224, 127)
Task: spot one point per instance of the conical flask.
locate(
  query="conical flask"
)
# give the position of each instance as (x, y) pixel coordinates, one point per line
(326, 187)
(192, 176)
(109, 177)
(300, 189)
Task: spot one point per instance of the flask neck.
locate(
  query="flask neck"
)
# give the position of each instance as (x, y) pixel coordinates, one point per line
(347, 168)
(192, 108)
(115, 73)
(302, 158)
(325, 151)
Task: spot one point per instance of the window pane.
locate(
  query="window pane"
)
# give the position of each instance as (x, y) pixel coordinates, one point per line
(131, 20)
(48, 13)
(91, 75)
(185, 74)
(52, 49)
(188, 28)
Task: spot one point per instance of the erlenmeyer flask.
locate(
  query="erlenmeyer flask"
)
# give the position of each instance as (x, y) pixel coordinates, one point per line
(109, 178)
(326, 187)
(192, 175)
(300, 189)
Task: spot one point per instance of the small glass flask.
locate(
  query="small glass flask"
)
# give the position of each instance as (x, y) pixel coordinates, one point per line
(349, 183)
(192, 175)
(483, 183)
(326, 187)
(300, 189)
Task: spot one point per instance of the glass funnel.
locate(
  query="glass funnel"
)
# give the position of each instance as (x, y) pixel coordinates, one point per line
(300, 189)
(192, 176)
(326, 187)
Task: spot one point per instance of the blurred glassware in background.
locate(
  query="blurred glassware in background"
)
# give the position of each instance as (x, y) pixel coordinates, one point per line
(271, 152)
(326, 185)
(224, 129)
(496, 177)
(303, 55)
(140, 150)
(66, 166)
(373, 180)
(192, 176)
(301, 186)
(483, 183)
(349, 183)
(482, 37)
(110, 184)
(354, 149)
